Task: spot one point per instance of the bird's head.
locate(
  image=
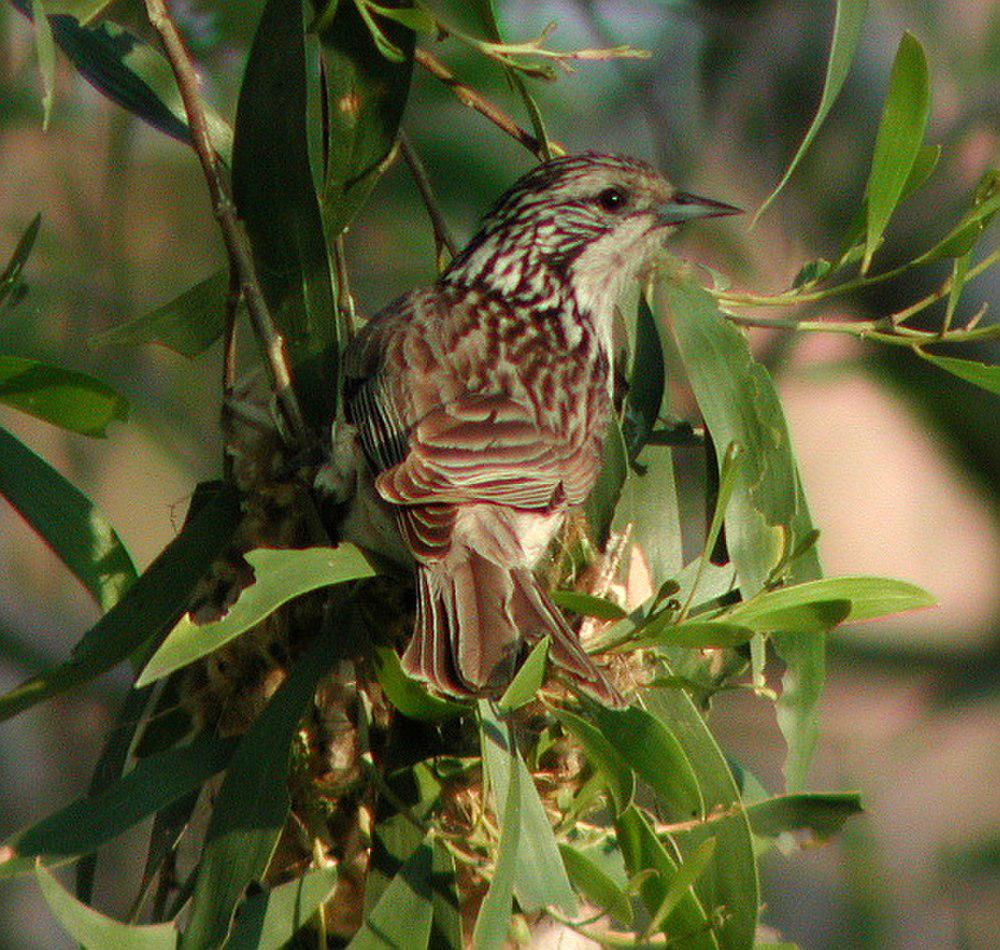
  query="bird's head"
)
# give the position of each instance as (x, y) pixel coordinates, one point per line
(590, 222)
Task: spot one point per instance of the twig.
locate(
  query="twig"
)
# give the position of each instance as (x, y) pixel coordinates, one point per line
(442, 236)
(233, 297)
(234, 235)
(468, 96)
(345, 299)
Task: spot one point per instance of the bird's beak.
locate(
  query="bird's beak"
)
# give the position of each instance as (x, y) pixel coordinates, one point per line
(684, 207)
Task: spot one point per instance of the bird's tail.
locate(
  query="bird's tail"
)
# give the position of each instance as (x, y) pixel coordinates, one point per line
(473, 619)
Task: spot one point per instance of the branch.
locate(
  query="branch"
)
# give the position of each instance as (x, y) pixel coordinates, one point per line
(468, 96)
(233, 233)
(442, 236)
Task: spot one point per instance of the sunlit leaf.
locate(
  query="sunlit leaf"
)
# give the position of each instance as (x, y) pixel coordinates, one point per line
(71, 525)
(68, 399)
(149, 606)
(524, 688)
(276, 198)
(984, 375)
(189, 324)
(539, 877)
(695, 634)
(846, 36)
(252, 804)
(408, 695)
(94, 930)
(900, 136)
(588, 605)
(270, 919)
(281, 575)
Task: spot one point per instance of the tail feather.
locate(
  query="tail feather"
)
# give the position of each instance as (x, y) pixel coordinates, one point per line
(473, 619)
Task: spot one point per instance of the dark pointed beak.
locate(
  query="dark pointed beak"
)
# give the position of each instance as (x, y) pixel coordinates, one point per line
(684, 207)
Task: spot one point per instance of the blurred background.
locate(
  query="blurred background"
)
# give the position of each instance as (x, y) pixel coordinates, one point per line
(900, 462)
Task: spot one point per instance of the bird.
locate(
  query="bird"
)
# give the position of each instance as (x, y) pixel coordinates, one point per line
(478, 407)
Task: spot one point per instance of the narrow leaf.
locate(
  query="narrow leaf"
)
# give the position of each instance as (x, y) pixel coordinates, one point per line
(900, 136)
(846, 36)
(188, 324)
(408, 695)
(979, 374)
(686, 875)
(822, 814)
(603, 498)
(524, 688)
(150, 606)
(93, 930)
(280, 576)
(68, 399)
(67, 520)
(604, 757)
(12, 272)
(45, 49)
(587, 605)
(599, 889)
(696, 634)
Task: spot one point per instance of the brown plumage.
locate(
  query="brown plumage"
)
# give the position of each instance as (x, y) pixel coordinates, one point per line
(482, 403)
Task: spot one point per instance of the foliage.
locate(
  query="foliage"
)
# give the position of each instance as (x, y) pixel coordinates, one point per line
(632, 827)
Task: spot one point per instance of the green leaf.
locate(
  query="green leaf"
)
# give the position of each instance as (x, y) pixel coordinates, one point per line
(868, 597)
(365, 95)
(12, 272)
(685, 877)
(653, 751)
(695, 634)
(45, 49)
(150, 606)
(688, 923)
(539, 877)
(603, 498)
(274, 193)
(588, 605)
(188, 324)
(403, 915)
(524, 688)
(89, 822)
(604, 757)
(71, 525)
(281, 575)
(647, 381)
(900, 136)
(730, 884)
(822, 814)
(963, 237)
(493, 922)
(846, 36)
(94, 931)
(252, 804)
(599, 889)
(68, 399)
(407, 694)
(979, 374)
(269, 920)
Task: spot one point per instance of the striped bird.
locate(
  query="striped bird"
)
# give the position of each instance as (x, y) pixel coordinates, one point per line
(479, 408)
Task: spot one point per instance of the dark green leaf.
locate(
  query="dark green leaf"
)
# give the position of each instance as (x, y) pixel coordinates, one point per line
(604, 757)
(408, 695)
(403, 915)
(646, 383)
(588, 605)
(45, 49)
(688, 924)
(280, 576)
(900, 136)
(87, 823)
(269, 920)
(63, 397)
(365, 95)
(188, 324)
(811, 272)
(12, 272)
(252, 804)
(603, 499)
(685, 877)
(69, 522)
(599, 889)
(93, 930)
(979, 374)
(696, 634)
(822, 814)
(274, 193)
(963, 237)
(149, 607)
(652, 750)
(539, 877)
(846, 36)
(446, 927)
(524, 688)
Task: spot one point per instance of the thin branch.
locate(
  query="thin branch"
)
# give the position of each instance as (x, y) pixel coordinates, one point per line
(474, 100)
(345, 299)
(442, 236)
(234, 235)
(233, 297)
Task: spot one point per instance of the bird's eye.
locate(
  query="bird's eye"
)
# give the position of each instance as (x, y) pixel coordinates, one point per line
(611, 199)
